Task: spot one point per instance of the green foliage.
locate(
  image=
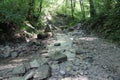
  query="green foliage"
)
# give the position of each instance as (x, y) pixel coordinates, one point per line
(106, 20)
(106, 23)
(13, 11)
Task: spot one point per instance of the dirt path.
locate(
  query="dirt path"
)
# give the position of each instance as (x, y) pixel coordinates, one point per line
(72, 56)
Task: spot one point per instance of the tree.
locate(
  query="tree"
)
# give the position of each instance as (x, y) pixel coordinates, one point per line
(108, 4)
(72, 7)
(82, 8)
(40, 7)
(31, 9)
(92, 9)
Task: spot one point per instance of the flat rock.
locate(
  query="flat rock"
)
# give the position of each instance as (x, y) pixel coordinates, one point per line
(16, 78)
(38, 62)
(43, 72)
(80, 51)
(62, 72)
(29, 75)
(14, 54)
(57, 56)
(20, 69)
(27, 66)
(70, 55)
(89, 59)
(42, 61)
(5, 72)
(7, 52)
(34, 64)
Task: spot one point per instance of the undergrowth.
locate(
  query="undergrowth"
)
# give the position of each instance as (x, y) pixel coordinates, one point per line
(106, 25)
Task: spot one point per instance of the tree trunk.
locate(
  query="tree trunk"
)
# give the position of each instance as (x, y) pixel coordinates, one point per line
(108, 4)
(31, 9)
(92, 9)
(82, 8)
(66, 6)
(40, 7)
(72, 9)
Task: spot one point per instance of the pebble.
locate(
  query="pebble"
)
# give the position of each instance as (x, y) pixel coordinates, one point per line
(57, 44)
(62, 72)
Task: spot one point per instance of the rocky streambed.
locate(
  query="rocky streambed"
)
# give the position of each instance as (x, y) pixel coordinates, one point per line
(72, 56)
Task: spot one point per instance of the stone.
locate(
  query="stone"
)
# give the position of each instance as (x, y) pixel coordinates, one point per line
(7, 51)
(45, 55)
(68, 68)
(54, 66)
(43, 61)
(20, 69)
(68, 78)
(71, 29)
(110, 78)
(1, 78)
(14, 54)
(42, 36)
(75, 68)
(89, 59)
(77, 62)
(29, 75)
(62, 72)
(38, 62)
(81, 73)
(43, 72)
(34, 42)
(116, 77)
(85, 73)
(58, 57)
(16, 78)
(57, 44)
(44, 51)
(27, 66)
(80, 51)
(34, 64)
(5, 72)
(70, 55)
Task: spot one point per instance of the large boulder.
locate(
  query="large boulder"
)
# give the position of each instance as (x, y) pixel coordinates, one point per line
(44, 35)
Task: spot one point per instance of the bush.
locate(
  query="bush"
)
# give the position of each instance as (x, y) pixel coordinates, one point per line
(13, 11)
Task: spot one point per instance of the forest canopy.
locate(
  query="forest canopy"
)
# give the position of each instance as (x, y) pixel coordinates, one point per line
(101, 16)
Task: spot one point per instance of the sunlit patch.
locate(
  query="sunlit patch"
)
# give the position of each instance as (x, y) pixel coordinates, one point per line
(8, 66)
(60, 1)
(49, 17)
(60, 41)
(71, 38)
(78, 78)
(88, 38)
(19, 60)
